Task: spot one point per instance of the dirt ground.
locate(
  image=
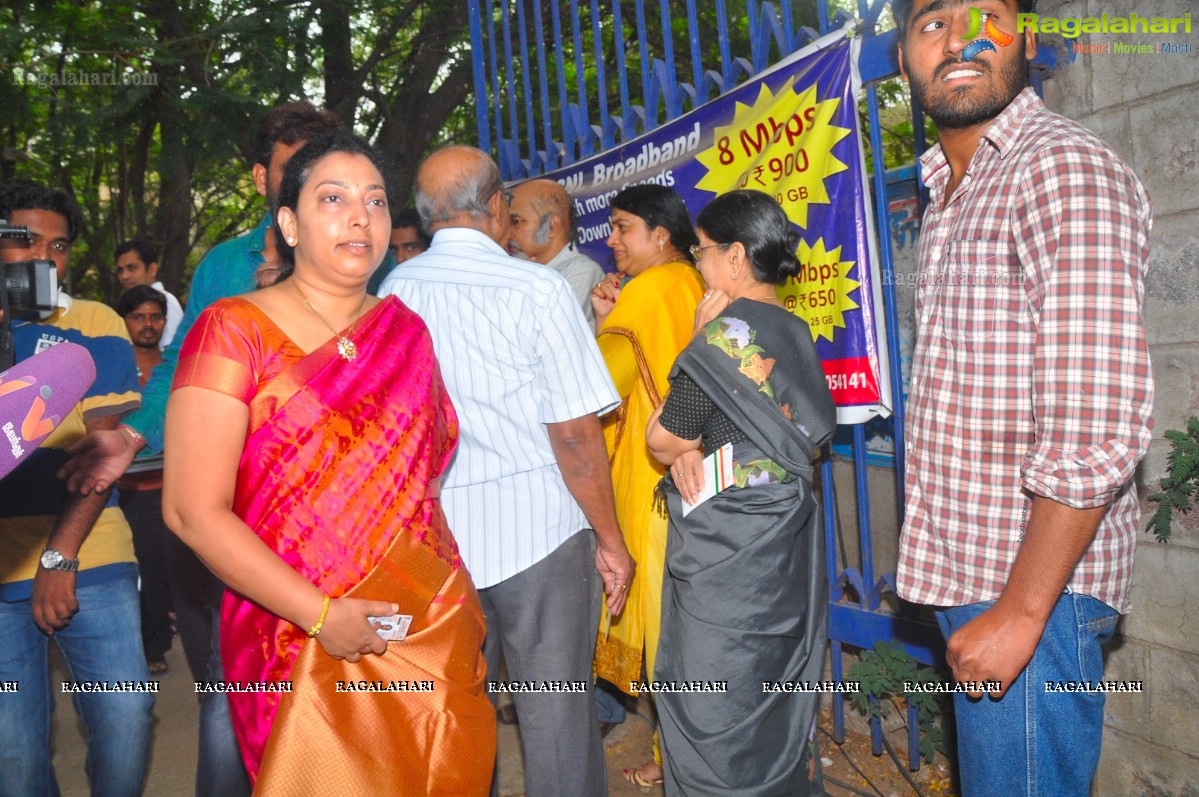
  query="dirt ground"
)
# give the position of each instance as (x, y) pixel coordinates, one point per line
(853, 764)
(628, 745)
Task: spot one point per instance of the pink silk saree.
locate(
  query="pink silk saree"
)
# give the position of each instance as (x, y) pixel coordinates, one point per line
(338, 477)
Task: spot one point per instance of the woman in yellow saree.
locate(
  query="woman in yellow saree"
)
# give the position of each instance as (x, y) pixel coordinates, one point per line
(645, 316)
(303, 469)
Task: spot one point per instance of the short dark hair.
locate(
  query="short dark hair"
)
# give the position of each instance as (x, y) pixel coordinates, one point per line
(30, 195)
(289, 124)
(296, 175)
(145, 250)
(901, 10)
(138, 295)
(408, 217)
(659, 206)
(755, 221)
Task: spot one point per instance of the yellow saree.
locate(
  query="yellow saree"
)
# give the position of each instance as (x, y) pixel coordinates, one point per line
(640, 339)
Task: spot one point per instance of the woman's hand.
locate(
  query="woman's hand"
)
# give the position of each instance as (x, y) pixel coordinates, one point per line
(346, 634)
(687, 472)
(604, 296)
(711, 306)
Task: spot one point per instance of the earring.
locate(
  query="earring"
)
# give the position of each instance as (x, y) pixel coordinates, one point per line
(291, 241)
(661, 244)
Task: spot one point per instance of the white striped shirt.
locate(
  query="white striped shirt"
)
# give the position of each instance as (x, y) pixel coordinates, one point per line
(515, 354)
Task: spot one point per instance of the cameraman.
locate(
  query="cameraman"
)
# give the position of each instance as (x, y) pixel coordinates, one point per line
(67, 567)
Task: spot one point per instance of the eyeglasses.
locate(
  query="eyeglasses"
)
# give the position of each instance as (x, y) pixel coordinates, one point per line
(507, 195)
(697, 251)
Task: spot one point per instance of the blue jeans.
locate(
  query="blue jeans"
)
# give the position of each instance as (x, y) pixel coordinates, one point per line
(103, 642)
(608, 705)
(1034, 743)
(220, 770)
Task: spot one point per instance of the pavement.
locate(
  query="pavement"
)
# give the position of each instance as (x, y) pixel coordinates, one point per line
(177, 717)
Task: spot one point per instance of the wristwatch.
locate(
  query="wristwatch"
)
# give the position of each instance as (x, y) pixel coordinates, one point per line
(53, 560)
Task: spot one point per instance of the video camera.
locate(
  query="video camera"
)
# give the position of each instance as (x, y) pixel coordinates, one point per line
(30, 285)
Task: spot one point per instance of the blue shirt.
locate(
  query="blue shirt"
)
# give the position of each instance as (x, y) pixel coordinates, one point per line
(515, 354)
(227, 270)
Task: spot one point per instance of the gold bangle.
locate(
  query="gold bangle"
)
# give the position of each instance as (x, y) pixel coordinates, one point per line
(316, 629)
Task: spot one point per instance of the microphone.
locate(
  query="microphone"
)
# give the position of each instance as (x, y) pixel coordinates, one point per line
(36, 394)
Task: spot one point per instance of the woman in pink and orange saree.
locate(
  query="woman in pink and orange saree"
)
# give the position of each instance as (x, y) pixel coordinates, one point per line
(302, 465)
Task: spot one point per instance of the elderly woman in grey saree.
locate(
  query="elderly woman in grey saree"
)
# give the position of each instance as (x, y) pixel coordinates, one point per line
(745, 598)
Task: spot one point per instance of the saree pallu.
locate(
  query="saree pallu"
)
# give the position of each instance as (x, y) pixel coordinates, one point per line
(337, 478)
(745, 598)
(650, 324)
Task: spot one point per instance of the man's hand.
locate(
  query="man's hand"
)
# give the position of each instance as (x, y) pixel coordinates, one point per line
(97, 461)
(54, 602)
(995, 646)
(998, 644)
(578, 446)
(616, 568)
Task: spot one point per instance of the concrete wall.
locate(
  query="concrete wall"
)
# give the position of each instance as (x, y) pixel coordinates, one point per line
(1147, 108)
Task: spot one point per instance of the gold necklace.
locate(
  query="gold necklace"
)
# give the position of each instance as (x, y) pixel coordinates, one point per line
(346, 349)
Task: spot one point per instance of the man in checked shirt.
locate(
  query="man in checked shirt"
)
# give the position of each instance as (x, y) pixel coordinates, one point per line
(1031, 397)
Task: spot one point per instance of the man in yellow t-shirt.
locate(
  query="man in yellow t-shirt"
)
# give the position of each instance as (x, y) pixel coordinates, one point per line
(67, 568)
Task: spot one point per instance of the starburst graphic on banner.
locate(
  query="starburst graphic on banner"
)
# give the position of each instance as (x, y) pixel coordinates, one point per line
(782, 145)
(820, 294)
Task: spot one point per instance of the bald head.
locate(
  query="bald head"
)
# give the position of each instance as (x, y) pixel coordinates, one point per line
(541, 220)
(461, 186)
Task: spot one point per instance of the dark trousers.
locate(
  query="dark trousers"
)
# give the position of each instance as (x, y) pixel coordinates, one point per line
(545, 619)
(196, 595)
(143, 510)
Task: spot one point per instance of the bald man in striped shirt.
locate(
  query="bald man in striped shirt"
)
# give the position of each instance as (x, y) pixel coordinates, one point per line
(528, 494)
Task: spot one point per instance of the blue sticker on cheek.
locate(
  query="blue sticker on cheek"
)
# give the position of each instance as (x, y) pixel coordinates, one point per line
(975, 47)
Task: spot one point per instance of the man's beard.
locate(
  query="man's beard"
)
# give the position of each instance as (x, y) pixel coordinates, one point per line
(959, 113)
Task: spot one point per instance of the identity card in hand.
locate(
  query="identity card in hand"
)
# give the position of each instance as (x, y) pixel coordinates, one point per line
(392, 627)
(718, 474)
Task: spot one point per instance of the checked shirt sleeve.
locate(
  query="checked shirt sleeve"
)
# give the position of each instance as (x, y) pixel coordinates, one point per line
(1082, 224)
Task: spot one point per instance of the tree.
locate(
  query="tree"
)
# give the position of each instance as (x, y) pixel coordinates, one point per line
(145, 111)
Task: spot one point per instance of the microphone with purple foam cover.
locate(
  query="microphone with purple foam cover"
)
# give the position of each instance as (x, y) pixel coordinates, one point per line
(36, 394)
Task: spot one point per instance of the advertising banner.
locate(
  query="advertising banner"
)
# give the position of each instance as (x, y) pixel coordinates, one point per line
(791, 132)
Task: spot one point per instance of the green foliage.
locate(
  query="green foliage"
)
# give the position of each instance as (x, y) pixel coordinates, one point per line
(882, 672)
(161, 146)
(1180, 485)
(145, 111)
